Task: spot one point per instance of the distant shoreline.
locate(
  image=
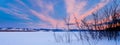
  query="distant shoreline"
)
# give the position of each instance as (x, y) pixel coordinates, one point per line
(53, 30)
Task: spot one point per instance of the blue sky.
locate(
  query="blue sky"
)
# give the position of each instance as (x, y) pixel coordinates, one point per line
(45, 13)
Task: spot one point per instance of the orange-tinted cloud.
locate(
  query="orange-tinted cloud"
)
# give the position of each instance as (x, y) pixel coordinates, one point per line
(96, 8)
(75, 9)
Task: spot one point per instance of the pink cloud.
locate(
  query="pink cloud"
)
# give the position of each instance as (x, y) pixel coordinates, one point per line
(47, 7)
(74, 7)
(48, 19)
(96, 8)
(44, 15)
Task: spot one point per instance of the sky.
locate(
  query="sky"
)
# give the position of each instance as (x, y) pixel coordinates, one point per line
(43, 14)
(46, 13)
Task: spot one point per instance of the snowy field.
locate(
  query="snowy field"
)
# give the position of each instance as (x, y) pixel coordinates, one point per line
(40, 38)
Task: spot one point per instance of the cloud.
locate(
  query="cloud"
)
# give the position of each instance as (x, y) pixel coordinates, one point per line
(15, 12)
(44, 9)
(44, 14)
(45, 6)
(96, 8)
(44, 17)
(25, 12)
(48, 19)
(74, 8)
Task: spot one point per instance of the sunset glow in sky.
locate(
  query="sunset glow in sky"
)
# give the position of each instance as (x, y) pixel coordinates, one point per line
(46, 13)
